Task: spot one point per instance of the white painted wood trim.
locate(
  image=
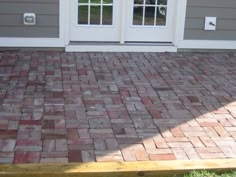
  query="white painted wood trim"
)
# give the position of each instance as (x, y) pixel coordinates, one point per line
(120, 48)
(62, 19)
(66, 23)
(122, 22)
(64, 33)
(180, 21)
(206, 44)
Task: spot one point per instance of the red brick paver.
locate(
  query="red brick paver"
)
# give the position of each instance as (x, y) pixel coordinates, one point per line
(85, 107)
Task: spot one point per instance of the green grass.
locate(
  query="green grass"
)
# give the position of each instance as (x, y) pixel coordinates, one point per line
(210, 174)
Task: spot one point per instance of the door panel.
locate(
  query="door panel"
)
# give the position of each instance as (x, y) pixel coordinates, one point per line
(94, 20)
(150, 20)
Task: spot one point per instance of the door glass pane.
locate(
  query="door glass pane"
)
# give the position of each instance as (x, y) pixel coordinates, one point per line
(138, 15)
(107, 15)
(95, 12)
(95, 15)
(107, 1)
(83, 15)
(161, 16)
(138, 2)
(95, 1)
(82, 1)
(150, 2)
(162, 2)
(149, 15)
(149, 12)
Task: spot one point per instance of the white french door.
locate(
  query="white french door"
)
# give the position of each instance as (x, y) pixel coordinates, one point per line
(150, 20)
(94, 20)
(112, 21)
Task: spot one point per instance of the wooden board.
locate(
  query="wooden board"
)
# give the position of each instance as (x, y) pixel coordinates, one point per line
(115, 169)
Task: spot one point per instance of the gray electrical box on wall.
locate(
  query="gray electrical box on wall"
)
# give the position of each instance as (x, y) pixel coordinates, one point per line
(29, 19)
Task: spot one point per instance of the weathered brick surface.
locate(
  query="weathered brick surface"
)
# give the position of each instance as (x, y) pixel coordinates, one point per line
(60, 107)
(75, 156)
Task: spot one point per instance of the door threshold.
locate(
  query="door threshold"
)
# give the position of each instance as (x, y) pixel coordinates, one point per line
(117, 47)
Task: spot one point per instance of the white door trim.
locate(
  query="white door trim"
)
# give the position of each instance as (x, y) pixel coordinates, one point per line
(180, 21)
(123, 22)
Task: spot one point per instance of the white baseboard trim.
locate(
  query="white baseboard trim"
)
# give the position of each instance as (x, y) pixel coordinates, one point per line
(56, 42)
(31, 42)
(206, 44)
(119, 48)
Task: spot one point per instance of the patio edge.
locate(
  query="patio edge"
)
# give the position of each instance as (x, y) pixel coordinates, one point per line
(121, 169)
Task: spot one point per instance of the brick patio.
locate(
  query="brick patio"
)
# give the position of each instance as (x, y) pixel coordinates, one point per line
(85, 107)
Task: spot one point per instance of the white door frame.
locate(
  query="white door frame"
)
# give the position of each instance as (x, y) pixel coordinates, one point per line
(179, 23)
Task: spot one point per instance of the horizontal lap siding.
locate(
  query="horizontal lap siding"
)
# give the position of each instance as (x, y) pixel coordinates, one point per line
(224, 10)
(11, 18)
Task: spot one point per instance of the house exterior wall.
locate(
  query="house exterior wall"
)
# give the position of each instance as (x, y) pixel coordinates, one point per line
(11, 18)
(197, 10)
(53, 23)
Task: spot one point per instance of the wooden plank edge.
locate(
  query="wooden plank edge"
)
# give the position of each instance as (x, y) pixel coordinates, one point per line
(116, 169)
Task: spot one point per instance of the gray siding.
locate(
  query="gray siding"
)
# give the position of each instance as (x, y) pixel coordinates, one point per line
(11, 18)
(224, 10)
